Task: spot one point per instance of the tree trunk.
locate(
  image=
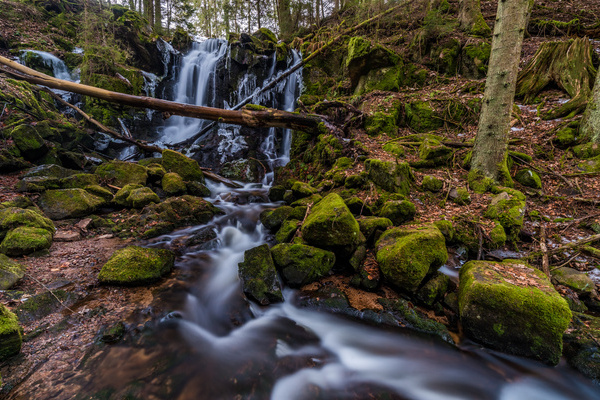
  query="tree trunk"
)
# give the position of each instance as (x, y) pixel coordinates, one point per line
(286, 26)
(491, 142)
(157, 17)
(590, 123)
(470, 19)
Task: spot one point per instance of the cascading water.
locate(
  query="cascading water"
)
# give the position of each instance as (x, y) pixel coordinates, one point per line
(59, 68)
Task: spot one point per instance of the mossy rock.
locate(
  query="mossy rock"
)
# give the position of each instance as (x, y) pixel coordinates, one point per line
(381, 122)
(357, 206)
(259, 277)
(395, 178)
(38, 184)
(301, 190)
(155, 171)
(120, 198)
(197, 189)
(121, 173)
(50, 170)
(514, 308)
(509, 210)
(566, 137)
(141, 197)
(44, 304)
(305, 201)
(434, 289)
(69, 203)
(265, 34)
(276, 192)
(432, 184)
(29, 142)
(474, 60)
(243, 170)
(394, 148)
(25, 240)
(581, 347)
(13, 217)
(364, 57)
(434, 151)
(388, 79)
(11, 163)
(135, 266)
(79, 181)
(447, 229)
(99, 191)
(301, 264)
(407, 256)
(579, 282)
(19, 202)
(330, 223)
(529, 178)
(10, 334)
(398, 211)
(173, 184)
(272, 219)
(373, 227)
(586, 150)
(187, 168)
(10, 272)
(287, 230)
(460, 196)
(421, 116)
(497, 236)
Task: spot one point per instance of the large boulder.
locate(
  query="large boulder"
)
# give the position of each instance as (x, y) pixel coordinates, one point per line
(186, 167)
(407, 256)
(134, 266)
(25, 240)
(172, 184)
(69, 203)
(10, 334)
(13, 217)
(120, 173)
(395, 178)
(10, 272)
(29, 142)
(398, 211)
(512, 307)
(43, 177)
(259, 276)
(301, 264)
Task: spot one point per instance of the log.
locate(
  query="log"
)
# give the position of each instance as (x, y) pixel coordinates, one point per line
(266, 117)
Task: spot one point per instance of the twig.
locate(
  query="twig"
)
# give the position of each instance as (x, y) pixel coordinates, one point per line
(544, 250)
(52, 293)
(566, 262)
(297, 233)
(480, 236)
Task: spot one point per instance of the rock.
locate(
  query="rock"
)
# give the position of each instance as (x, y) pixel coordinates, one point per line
(421, 116)
(373, 227)
(272, 219)
(460, 196)
(188, 169)
(155, 172)
(582, 284)
(446, 228)
(301, 190)
(122, 194)
(529, 178)
(84, 224)
(49, 170)
(331, 224)
(581, 347)
(474, 60)
(11, 163)
(395, 178)
(407, 256)
(10, 272)
(357, 206)
(305, 201)
(13, 217)
(19, 202)
(287, 230)
(432, 184)
(197, 189)
(80, 181)
(259, 277)
(433, 150)
(25, 240)
(29, 142)
(45, 303)
(301, 264)
(114, 334)
(398, 211)
(514, 308)
(121, 173)
(10, 334)
(509, 212)
(134, 266)
(141, 197)
(99, 191)
(276, 193)
(434, 289)
(67, 236)
(357, 181)
(69, 203)
(37, 184)
(497, 236)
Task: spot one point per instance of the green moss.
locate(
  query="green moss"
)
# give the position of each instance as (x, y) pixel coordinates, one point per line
(272, 219)
(399, 211)
(133, 266)
(587, 150)
(25, 240)
(301, 264)
(10, 334)
(29, 142)
(287, 230)
(357, 48)
(406, 312)
(259, 277)
(69, 203)
(446, 228)
(381, 122)
(575, 280)
(79, 181)
(394, 148)
(99, 191)
(421, 116)
(121, 173)
(498, 236)
(478, 182)
(13, 217)
(529, 178)
(432, 184)
(509, 211)
(10, 272)
(122, 194)
(141, 197)
(475, 58)
(173, 184)
(395, 178)
(461, 196)
(480, 27)
(434, 289)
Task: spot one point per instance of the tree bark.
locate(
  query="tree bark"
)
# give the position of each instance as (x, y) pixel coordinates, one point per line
(286, 25)
(263, 117)
(470, 18)
(157, 17)
(491, 142)
(590, 123)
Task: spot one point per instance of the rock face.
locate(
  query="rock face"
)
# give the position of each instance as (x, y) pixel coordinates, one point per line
(10, 272)
(301, 264)
(10, 334)
(512, 307)
(259, 276)
(187, 168)
(133, 266)
(407, 256)
(69, 203)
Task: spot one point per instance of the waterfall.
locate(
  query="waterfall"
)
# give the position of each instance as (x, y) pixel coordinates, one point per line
(59, 68)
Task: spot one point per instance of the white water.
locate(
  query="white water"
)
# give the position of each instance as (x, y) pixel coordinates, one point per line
(59, 68)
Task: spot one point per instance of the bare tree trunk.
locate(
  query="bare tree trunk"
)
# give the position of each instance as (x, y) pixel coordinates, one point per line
(470, 19)
(590, 123)
(286, 25)
(157, 17)
(491, 142)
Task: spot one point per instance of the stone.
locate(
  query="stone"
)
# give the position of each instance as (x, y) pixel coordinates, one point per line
(581, 347)
(393, 177)
(398, 211)
(80, 181)
(34, 184)
(122, 194)
(276, 193)
(301, 190)
(99, 191)
(272, 219)
(301, 264)
(25, 240)
(407, 256)
(434, 289)
(529, 178)
(287, 230)
(259, 277)
(187, 168)
(357, 206)
(509, 210)
(421, 116)
(10, 272)
(67, 236)
(197, 189)
(121, 173)
(10, 334)
(373, 227)
(577, 281)
(514, 308)
(460, 196)
(433, 150)
(69, 203)
(432, 184)
(13, 217)
(29, 142)
(135, 266)
(141, 197)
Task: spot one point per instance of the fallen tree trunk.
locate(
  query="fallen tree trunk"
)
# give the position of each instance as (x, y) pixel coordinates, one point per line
(264, 117)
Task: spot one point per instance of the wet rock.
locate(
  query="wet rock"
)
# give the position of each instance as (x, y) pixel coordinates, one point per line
(434, 289)
(514, 308)
(582, 284)
(407, 256)
(172, 184)
(373, 227)
(301, 264)
(10, 334)
(432, 184)
(581, 347)
(529, 178)
(134, 266)
(259, 277)
(398, 211)
(10, 272)
(121, 173)
(69, 203)
(50, 170)
(395, 178)
(45, 303)
(272, 219)
(29, 142)
(25, 240)
(197, 189)
(114, 334)
(276, 193)
(187, 168)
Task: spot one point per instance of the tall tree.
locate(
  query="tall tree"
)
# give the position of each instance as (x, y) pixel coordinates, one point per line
(491, 143)
(286, 24)
(157, 16)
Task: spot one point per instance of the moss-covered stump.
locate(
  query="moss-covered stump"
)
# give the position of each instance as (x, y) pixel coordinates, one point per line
(187, 168)
(259, 277)
(10, 334)
(577, 281)
(529, 178)
(10, 272)
(13, 217)
(407, 256)
(509, 210)
(301, 264)
(69, 203)
(398, 211)
(395, 178)
(373, 227)
(134, 266)
(121, 173)
(514, 308)
(25, 240)
(331, 224)
(581, 347)
(31, 145)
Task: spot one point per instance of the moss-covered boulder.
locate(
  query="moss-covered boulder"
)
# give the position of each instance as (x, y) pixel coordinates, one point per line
(509, 210)
(474, 60)
(141, 197)
(198, 189)
(99, 191)
(287, 230)
(373, 227)
(529, 178)
(25, 240)
(272, 219)
(421, 116)
(121, 173)
(69, 203)
(13, 217)
(331, 224)
(512, 307)
(120, 198)
(398, 211)
(407, 256)
(434, 152)
(432, 184)
(31, 145)
(364, 57)
(577, 281)
(460, 196)
(173, 184)
(259, 277)
(10, 334)
(393, 177)
(79, 181)
(187, 168)
(301, 264)
(134, 266)
(10, 272)
(301, 190)
(434, 289)
(581, 348)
